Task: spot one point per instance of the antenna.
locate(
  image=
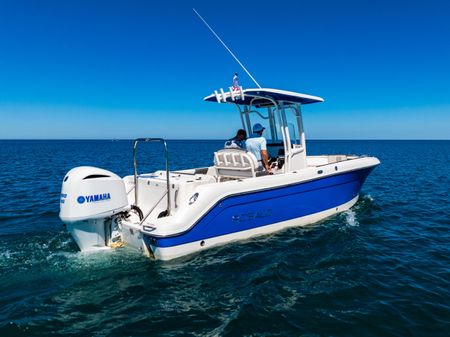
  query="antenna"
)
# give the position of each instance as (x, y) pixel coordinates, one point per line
(223, 43)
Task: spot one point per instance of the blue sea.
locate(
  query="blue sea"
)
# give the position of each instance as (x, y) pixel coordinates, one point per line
(379, 269)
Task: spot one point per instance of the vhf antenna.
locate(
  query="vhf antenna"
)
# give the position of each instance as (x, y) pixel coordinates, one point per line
(223, 43)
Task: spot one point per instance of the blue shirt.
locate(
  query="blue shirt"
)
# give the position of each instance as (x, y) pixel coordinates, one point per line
(255, 144)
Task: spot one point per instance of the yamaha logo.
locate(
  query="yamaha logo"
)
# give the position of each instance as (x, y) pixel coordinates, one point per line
(93, 198)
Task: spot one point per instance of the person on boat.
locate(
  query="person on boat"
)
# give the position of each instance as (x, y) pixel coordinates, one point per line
(235, 82)
(257, 145)
(238, 141)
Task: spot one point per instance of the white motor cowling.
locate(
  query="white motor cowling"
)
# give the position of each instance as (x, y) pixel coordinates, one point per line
(90, 196)
(91, 193)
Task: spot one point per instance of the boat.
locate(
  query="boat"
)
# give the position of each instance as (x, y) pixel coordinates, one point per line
(167, 214)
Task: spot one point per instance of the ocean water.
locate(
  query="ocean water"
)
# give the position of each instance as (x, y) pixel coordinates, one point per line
(379, 269)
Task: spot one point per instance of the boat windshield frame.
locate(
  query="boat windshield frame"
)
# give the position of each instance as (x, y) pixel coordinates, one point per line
(277, 102)
(276, 116)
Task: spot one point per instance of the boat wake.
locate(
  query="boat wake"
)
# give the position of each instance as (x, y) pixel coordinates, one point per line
(350, 218)
(57, 254)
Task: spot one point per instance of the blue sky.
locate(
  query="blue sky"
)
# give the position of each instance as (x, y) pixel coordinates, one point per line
(127, 69)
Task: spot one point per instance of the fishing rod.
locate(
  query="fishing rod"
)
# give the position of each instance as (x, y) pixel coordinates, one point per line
(226, 47)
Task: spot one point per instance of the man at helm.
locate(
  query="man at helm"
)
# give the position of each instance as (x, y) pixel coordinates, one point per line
(257, 145)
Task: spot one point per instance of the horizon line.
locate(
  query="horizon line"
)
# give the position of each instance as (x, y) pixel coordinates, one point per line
(216, 139)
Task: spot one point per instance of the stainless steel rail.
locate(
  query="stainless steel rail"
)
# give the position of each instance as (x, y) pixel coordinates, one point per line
(166, 156)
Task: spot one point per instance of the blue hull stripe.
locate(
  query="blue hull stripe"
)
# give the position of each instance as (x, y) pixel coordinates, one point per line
(256, 209)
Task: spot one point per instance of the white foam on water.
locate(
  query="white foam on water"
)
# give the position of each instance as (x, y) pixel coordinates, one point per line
(368, 197)
(5, 255)
(350, 218)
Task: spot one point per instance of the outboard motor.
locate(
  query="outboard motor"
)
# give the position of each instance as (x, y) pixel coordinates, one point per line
(90, 197)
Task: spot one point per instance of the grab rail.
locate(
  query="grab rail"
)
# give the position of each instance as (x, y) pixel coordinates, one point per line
(166, 156)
